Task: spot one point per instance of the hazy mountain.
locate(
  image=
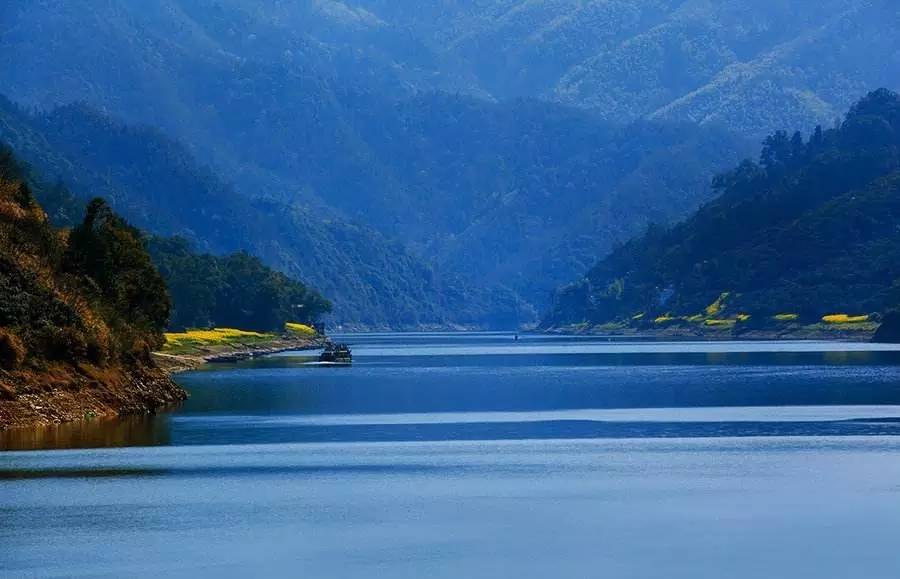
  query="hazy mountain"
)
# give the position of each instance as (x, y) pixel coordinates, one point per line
(752, 65)
(494, 192)
(330, 109)
(809, 230)
(156, 183)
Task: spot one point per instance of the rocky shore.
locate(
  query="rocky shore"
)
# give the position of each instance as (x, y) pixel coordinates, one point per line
(64, 393)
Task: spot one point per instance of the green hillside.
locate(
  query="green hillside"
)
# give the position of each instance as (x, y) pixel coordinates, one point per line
(485, 195)
(806, 234)
(368, 144)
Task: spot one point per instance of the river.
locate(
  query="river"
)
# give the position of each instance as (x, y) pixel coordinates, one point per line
(475, 455)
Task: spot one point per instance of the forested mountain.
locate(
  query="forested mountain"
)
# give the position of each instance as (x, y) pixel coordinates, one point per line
(523, 196)
(499, 196)
(249, 86)
(155, 182)
(810, 230)
(752, 65)
(499, 192)
(205, 290)
(756, 65)
(80, 311)
(372, 148)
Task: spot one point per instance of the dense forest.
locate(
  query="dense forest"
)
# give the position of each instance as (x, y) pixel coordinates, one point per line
(809, 231)
(482, 210)
(79, 309)
(752, 65)
(423, 163)
(232, 291)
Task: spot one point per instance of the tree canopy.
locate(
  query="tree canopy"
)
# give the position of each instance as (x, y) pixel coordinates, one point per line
(235, 291)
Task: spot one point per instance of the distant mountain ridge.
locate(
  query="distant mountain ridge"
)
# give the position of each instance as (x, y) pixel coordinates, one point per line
(390, 140)
(157, 185)
(751, 65)
(496, 199)
(807, 232)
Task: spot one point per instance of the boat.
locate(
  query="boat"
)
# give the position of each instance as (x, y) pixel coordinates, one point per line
(338, 354)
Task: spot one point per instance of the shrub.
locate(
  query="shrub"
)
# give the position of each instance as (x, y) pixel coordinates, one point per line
(138, 351)
(98, 350)
(12, 351)
(64, 344)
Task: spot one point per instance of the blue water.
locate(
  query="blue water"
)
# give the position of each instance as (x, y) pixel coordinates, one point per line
(477, 456)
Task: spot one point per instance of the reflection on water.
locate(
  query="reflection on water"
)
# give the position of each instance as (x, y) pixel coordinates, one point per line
(128, 431)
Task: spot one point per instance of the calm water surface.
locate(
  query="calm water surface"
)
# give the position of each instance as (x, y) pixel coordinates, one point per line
(473, 455)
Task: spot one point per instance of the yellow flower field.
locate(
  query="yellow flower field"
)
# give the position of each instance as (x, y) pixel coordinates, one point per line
(301, 329)
(844, 319)
(212, 337)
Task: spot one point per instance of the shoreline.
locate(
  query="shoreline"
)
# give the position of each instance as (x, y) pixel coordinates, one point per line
(64, 395)
(196, 358)
(796, 333)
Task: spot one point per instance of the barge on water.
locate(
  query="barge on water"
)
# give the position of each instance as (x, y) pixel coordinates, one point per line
(336, 354)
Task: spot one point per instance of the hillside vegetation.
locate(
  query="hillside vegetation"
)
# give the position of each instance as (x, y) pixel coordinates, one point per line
(807, 234)
(80, 312)
(412, 160)
(232, 291)
(475, 202)
(752, 65)
(495, 201)
(156, 183)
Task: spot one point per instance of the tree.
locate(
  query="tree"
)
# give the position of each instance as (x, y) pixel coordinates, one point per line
(106, 249)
